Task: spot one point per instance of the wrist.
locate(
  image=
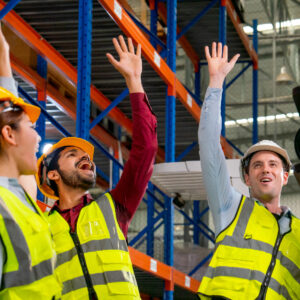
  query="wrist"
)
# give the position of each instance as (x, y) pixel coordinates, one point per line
(216, 81)
(134, 84)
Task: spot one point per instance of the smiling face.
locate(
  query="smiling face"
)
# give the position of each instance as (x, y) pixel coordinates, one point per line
(27, 144)
(266, 176)
(75, 169)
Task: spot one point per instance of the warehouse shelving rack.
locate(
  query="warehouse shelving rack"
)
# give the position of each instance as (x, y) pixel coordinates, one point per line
(181, 29)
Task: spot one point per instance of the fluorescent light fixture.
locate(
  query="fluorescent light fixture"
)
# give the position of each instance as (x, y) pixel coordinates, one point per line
(281, 117)
(46, 147)
(268, 27)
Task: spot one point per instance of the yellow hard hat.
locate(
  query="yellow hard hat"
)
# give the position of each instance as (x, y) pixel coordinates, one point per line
(32, 111)
(42, 164)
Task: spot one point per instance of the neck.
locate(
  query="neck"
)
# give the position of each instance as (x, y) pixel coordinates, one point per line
(272, 205)
(69, 197)
(8, 167)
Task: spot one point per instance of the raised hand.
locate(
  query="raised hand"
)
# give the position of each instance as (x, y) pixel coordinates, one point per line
(5, 68)
(130, 63)
(218, 65)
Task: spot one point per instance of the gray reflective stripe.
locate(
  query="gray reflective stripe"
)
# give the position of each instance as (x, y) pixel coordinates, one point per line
(242, 222)
(90, 246)
(99, 279)
(246, 274)
(247, 244)
(291, 266)
(26, 273)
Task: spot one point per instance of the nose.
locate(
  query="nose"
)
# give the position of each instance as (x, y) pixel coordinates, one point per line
(266, 169)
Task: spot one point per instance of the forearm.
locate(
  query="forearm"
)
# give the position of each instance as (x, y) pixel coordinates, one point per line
(138, 169)
(223, 199)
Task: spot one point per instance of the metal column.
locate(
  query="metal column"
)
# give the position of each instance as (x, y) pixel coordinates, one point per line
(150, 220)
(42, 98)
(84, 68)
(255, 86)
(170, 139)
(222, 39)
(197, 80)
(153, 21)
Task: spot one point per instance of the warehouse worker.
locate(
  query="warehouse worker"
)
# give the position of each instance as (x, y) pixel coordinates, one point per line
(89, 234)
(26, 248)
(257, 253)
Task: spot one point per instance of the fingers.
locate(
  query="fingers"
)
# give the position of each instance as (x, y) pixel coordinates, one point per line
(139, 50)
(234, 60)
(207, 54)
(225, 52)
(112, 60)
(130, 46)
(219, 50)
(122, 43)
(213, 50)
(117, 46)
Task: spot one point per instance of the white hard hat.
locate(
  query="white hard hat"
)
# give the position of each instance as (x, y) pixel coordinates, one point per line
(264, 145)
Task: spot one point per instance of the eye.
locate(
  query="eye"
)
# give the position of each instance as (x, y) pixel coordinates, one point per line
(33, 126)
(71, 154)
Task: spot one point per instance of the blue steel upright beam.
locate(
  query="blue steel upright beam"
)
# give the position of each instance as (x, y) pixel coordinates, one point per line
(41, 97)
(41, 122)
(222, 39)
(170, 139)
(255, 86)
(150, 221)
(197, 80)
(153, 21)
(84, 68)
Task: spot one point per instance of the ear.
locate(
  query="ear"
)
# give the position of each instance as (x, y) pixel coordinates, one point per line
(53, 175)
(285, 178)
(9, 135)
(247, 180)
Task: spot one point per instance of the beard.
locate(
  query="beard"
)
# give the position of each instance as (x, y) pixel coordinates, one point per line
(76, 180)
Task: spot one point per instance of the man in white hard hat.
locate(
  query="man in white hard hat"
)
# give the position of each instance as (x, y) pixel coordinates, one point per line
(257, 253)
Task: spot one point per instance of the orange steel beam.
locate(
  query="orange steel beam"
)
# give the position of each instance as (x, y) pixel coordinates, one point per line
(159, 65)
(65, 104)
(159, 269)
(29, 35)
(185, 281)
(238, 27)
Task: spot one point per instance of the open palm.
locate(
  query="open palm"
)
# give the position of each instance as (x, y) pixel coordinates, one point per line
(130, 63)
(218, 65)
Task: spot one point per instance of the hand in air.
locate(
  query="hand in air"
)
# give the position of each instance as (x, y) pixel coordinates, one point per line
(218, 65)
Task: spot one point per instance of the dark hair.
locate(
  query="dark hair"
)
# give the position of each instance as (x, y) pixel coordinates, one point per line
(11, 118)
(51, 162)
(246, 162)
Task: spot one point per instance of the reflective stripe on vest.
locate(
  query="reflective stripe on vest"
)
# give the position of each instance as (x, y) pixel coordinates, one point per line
(105, 253)
(241, 259)
(26, 273)
(28, 270)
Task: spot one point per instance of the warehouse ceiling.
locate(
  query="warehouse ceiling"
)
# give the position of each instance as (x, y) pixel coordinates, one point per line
(57, 21)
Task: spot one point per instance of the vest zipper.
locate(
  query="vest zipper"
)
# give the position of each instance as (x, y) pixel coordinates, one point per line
(87, 277)
(271, 267)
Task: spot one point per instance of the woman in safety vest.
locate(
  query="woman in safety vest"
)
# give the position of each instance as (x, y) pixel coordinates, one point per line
(26, 247)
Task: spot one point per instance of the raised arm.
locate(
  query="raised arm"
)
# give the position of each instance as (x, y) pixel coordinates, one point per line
(138, 169)
(6, 77)
(222, 198)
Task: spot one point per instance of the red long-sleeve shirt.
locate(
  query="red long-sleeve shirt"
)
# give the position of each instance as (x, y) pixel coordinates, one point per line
(137, 171)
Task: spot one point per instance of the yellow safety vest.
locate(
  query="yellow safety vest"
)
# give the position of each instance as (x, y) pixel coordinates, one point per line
(95, 258)
(28, 271)
(253, 260)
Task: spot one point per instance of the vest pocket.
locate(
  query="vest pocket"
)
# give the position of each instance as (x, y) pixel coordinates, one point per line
(118, 274)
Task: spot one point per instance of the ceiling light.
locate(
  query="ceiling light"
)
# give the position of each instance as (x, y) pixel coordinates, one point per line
(283, 77)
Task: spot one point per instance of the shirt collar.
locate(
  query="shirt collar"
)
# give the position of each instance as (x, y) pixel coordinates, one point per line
(84, 200)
